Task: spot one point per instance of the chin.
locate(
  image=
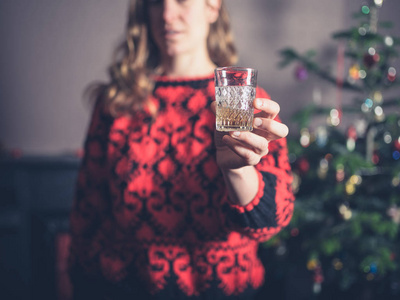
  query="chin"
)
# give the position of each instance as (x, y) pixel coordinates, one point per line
(174, 51)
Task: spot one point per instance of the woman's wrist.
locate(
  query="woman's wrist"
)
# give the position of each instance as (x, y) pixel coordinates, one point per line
(242, 184)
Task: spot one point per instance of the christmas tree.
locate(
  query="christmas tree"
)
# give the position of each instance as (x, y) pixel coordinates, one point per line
(344, 234)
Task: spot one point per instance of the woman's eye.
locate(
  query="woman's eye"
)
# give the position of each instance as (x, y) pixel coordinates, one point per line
(153, 2)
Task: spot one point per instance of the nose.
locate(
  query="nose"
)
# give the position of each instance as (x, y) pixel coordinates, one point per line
(170, 10)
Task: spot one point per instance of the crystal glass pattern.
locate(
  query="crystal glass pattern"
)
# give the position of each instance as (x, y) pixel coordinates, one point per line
(235, 90)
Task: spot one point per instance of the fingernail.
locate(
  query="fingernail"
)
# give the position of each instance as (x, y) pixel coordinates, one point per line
(236, 133)
(258, 103)
(257, 122)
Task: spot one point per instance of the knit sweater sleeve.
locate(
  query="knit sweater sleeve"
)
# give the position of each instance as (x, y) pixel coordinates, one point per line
(90, 204)
(272, 208)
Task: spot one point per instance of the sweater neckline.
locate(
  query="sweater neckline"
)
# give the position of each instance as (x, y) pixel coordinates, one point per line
(165, 78)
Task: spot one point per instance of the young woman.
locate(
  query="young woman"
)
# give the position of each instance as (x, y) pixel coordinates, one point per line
(166, 207)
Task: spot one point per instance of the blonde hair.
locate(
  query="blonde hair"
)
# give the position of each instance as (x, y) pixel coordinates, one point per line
(137, 57)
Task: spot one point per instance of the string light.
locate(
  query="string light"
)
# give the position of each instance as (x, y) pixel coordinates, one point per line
(334, 117)
(371, 51)
(362, 74)
(378, 111)
(369, 102)
(388, 41)
(379, 115)
(378, 98)
(372, 63)
(355, 179)
(305, 137)
(365, 10)
(340, 173)
(396, 155)
(362, 31)
(391, 74)
(337, 264)
(387, 137)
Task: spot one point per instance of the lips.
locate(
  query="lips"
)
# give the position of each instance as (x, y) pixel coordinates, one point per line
(171, 33)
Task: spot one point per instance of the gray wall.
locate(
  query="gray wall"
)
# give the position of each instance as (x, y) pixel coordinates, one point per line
(51, 50)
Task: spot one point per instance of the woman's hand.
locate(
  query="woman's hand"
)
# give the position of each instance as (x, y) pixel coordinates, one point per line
(238, 149)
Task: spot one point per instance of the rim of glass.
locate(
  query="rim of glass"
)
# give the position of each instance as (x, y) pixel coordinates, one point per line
(235, 68)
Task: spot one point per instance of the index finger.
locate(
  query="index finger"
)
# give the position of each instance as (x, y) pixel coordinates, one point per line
(268, 107)
(214, 107)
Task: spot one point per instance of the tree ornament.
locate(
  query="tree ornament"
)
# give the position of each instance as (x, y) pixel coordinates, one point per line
(396, 144)
(294, 232)
(301, 73)
(340, 173)
(354, 72)
(368, 177)
(303, 165)
(318, 278)
(352, 132)
(396, 155)
(370, 60)
(375, 158)
(351, 138)
(337, 264)
(391, 75)
(373, 268)
(312, 264)
(394, 213)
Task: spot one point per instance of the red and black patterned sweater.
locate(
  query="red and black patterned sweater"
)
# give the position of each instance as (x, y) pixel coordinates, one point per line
(151, 211)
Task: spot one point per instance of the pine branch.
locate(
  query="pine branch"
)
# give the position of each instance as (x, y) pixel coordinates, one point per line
(289, 56)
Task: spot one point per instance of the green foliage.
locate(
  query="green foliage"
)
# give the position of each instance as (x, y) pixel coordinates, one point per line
(348, 195)
(330, 246)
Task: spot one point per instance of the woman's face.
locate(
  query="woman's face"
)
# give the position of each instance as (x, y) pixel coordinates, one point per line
(181, 26)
